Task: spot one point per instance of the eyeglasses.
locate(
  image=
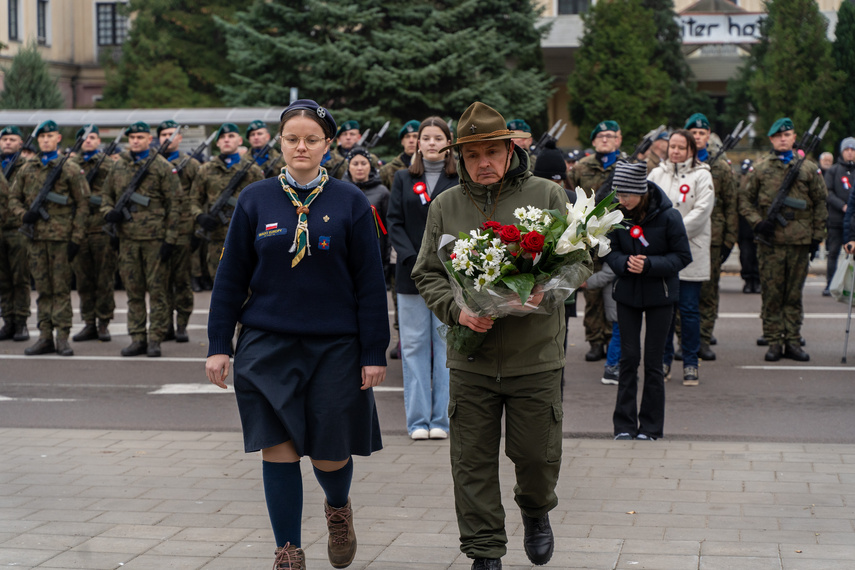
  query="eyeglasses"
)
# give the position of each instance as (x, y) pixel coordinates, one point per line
(605, 137)
(311, 141)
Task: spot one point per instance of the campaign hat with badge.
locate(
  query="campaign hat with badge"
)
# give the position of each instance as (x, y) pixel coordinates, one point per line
(481, 123)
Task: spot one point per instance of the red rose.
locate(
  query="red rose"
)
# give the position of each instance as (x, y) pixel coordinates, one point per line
(509, 234)
(491, 225)
(532, 242)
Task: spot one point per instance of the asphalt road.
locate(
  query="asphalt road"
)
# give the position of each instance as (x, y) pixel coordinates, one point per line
(740, 396)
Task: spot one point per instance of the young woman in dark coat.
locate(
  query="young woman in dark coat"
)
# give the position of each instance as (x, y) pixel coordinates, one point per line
(647, 256)
(362, 173)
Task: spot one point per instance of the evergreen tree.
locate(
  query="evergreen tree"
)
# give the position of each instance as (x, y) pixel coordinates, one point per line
(389, 60)
(616, 74)
(844, 57)
(174, 56)
(28, 84)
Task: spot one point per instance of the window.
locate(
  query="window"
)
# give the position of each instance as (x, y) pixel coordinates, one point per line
(573, 6)
(42, 21)
(112, 25)
(13, 20)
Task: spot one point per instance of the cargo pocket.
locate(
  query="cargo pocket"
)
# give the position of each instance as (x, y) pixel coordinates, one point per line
(556, 433)
(453, 422)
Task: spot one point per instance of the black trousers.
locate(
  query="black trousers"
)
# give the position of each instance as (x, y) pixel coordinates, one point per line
(750, 268)
(649, 419)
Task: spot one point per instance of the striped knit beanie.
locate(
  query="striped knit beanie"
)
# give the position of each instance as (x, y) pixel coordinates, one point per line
(630, 178)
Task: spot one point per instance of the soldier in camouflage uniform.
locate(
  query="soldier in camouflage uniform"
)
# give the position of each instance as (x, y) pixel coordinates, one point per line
(95, 265)
(784, 252)
(14, 263)
(55, 241)
(409, 137)
(346, 138)
(179, 292)
(147, 240)
(591, 174)
(212, 179)
(724, 229)
(258, 135)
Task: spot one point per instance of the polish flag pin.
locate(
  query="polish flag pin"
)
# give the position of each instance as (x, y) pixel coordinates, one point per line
(684, 190)
(638, 234)
(845, 181)
(420, 188)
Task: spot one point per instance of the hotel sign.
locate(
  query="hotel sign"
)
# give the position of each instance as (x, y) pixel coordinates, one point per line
(738, 28)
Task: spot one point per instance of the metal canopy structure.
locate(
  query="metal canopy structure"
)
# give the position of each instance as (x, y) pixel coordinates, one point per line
(124, 117)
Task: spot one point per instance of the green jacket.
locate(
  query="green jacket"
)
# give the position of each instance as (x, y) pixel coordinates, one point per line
(212, 179)
(158, 220)
(66, 222)
(725, 214)
(515, 346)
(186, 220)
(388, 170)
(806, 223)
(274, 162)
(5, 214)
(589, 174)
(94, 218)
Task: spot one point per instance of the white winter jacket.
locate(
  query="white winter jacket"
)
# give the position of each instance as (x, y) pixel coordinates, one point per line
(690, 188)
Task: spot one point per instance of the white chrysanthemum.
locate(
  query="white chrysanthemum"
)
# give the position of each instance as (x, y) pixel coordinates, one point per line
(519, 214)
(460, 262)
(492, 273)
(496, 242)
(492, 256)
(480, 282)
(477, 235)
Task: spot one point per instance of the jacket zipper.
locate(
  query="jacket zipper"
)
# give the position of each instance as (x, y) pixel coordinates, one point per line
(665, 286)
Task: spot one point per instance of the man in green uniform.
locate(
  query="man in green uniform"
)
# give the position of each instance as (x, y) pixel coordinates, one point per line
(520, 379)
(95, 265)
(269, 161)
(212, 180)
(590, 174)
(784, 252)
(725, 227)
(147, 240)
(55, 240)
(179, 292)
(409, 137)
(14, 263)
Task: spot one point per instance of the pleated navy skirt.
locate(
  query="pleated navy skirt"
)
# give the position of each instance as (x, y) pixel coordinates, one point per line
(305, 389)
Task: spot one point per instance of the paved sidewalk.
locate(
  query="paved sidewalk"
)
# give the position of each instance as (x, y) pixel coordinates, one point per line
(184, 500)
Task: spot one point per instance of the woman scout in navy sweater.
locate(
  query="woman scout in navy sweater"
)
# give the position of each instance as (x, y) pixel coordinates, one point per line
(314, 331)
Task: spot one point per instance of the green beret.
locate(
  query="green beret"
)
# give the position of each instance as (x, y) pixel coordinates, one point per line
(698, 121)
(781, 125)
(347, 126)
(604, 126)
(138, 127)
(226, 128)
(169, 124)
(255, 125)
(409, 127)
(46, 127)
(11, 130)
(519, 125)
(82, 130)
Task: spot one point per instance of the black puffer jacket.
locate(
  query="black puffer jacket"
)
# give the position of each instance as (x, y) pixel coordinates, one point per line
(667, 253)
(839, 179)
(378, 196)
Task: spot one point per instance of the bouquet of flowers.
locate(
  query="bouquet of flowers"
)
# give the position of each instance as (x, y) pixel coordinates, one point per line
(529, 267)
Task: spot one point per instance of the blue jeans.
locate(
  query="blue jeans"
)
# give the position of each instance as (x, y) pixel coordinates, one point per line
(690, 325)
(423, 356)
(613, 353)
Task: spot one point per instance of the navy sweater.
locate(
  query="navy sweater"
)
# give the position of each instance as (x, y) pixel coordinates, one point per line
(337, 290)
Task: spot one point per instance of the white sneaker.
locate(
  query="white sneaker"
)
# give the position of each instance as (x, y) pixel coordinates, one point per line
(438, 433)
(420, 434)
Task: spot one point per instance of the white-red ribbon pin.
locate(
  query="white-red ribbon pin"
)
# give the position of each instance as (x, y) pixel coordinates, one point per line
(420, 188)
(638, 234)
(684, 190)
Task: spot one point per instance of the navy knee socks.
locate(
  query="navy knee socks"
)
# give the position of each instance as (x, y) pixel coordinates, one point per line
(336, 484)
(283, 490)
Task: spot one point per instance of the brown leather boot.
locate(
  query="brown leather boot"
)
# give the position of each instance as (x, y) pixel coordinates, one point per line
(103, 331)
(289, 557)
(341, 548)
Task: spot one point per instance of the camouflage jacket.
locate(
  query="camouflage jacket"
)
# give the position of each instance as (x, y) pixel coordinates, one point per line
(5, 214)
(725, 214)
(589, 174)
(337, 165)
(67, 222)
(94, 218)
(186, 219)
(158, 220)
(806, 223)
(274, 162)
(212, 179)
(7, 220)
(388, 170)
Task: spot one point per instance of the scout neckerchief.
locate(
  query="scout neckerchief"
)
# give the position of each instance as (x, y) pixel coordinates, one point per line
(301, 235)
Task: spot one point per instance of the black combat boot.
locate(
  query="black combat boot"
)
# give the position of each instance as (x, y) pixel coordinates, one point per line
(705, 352)
(795, 352)
(538, 541)
(153, 349)
(63, 348)
(8, 330)
(136, 348)
(181, 334)
(196, 284)
(21, 331)
(170, 333)
(89, 332)
(103, 331)
(42, 346)
(596, 353)
(774, 353)
(761, 341)
(487, 564)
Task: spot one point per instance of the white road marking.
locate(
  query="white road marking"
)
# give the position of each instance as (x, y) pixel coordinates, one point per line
(7, 399)
(757, 315)
(814, 368)
(99, 358)
(178, 389)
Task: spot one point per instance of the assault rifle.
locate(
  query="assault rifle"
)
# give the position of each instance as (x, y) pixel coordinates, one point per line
(198, 153)
(547, 136)
(130, 198)
(10, 166)
(377, 136)
(268, 170)
(363, 138)
(111, 148)
(226, 197)
(731, 140)
(46, 194)
(642, 147)
(808, 143)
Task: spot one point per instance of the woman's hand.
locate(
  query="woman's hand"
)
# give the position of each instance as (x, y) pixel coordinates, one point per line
(850, 247)
(372, 376)
(477, 324)
(635, 264)
(217, 369)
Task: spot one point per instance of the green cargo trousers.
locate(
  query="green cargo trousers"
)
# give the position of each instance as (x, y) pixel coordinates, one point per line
(533, 431)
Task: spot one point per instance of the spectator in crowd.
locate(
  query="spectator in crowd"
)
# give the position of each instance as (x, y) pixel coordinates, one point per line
(839, 180)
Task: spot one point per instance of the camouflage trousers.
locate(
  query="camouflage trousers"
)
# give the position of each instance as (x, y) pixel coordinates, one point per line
(141, 270)
(14, 276)
(179, 292)
(198, 260)
(95, 268)
(52, 274)
(215, 252)
(783, 271)
(710, 295)
(597, 328)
